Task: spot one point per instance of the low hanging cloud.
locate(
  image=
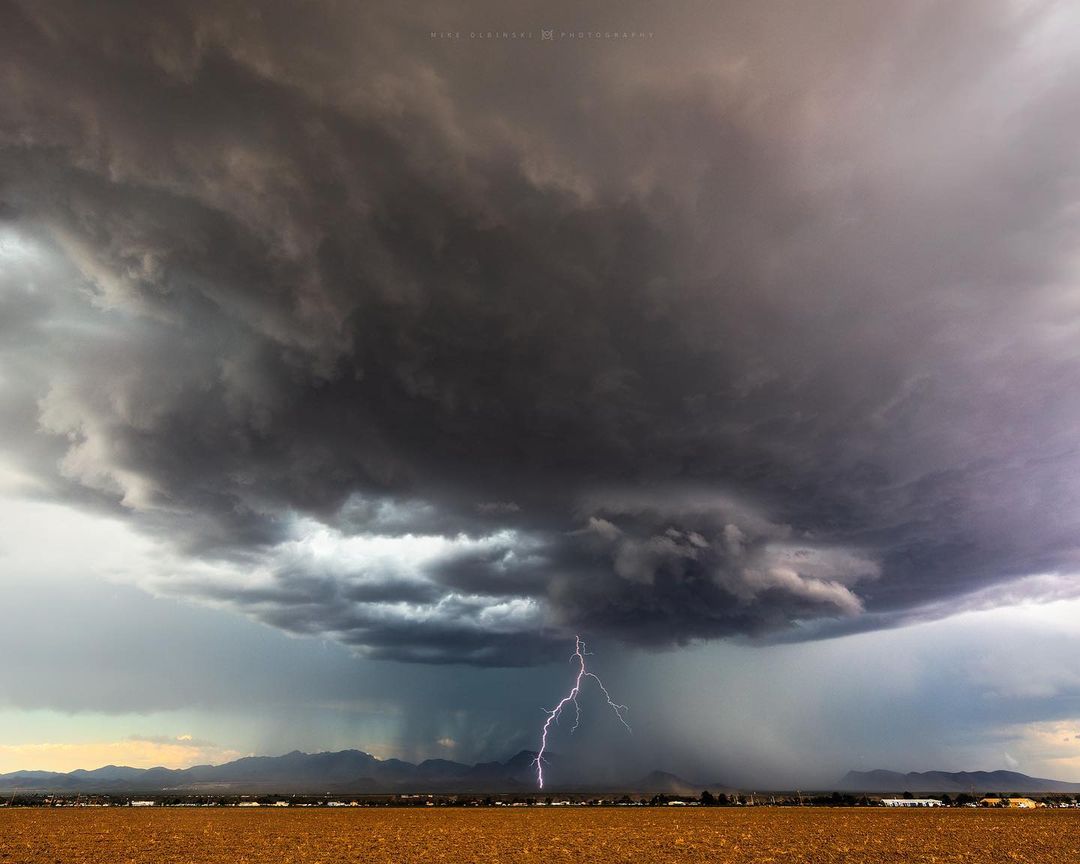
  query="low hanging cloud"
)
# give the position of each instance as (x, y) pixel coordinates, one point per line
(704, 563)
(763, 326)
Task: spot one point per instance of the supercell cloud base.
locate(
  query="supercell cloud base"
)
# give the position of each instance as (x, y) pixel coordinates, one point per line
(435, 352)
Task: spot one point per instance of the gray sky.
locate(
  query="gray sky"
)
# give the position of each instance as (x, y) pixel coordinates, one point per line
(349, 368)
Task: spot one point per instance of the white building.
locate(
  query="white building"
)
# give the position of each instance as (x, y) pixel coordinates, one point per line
(911, 802)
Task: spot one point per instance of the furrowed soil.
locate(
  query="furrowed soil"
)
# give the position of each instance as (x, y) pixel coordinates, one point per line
(720, 835)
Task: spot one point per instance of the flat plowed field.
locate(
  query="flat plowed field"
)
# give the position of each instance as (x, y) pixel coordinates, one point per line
(718, 836)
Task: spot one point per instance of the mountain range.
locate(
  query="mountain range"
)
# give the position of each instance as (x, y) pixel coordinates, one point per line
(346, 771)
(950, 781)
(357, 772)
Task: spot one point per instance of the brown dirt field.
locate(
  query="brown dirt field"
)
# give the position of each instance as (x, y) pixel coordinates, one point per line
(719, 836)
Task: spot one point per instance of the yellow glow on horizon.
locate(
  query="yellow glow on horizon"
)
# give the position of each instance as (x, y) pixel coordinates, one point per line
(181, 752)
(1049, 748)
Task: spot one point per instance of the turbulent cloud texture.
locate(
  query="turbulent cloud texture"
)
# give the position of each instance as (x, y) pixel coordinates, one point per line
(765, 325)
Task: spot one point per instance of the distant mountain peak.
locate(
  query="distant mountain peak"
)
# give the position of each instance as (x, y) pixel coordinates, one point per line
(881, 780)
(664, 782)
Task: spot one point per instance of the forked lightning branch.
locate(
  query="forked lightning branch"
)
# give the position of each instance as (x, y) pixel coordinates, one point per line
(555, 713)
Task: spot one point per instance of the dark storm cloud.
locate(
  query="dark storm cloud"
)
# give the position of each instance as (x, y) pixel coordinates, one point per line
(765, 321)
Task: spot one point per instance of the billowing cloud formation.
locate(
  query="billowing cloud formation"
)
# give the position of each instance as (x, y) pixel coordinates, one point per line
(703, 562)
(444, 347)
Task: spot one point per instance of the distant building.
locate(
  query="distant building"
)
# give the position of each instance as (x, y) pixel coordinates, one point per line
(143, 803)
(1022, 803)
(911, 802)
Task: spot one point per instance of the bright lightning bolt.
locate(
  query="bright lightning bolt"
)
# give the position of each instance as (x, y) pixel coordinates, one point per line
(554, 713)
